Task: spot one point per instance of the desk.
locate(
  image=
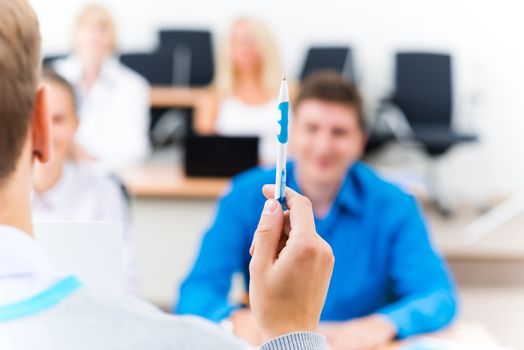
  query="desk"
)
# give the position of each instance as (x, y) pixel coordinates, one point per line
(170, 96)
(169, 181)
(463, 334)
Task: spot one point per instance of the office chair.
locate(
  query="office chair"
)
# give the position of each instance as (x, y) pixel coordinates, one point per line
(192, 65)
(339, 59)
(183, 58)
(422, 105)
(156, 68)
(192, 52)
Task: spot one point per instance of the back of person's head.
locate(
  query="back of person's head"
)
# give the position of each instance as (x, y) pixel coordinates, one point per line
(50, 76)
(330, 86)
(19, 69)
(265, 45)
(95, 31)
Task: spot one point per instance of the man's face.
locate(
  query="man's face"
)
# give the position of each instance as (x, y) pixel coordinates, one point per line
(326, 139)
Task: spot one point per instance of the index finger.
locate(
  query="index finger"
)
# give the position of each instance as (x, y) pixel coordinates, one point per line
(300, 209)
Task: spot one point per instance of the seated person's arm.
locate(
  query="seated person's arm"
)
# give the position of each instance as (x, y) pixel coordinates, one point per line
(420, 279)
(205, 115)
(420, 282)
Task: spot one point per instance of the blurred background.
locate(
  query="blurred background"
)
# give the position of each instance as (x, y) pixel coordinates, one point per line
(469, 183)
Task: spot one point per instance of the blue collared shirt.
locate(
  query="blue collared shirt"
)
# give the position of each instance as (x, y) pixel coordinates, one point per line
(384, 260)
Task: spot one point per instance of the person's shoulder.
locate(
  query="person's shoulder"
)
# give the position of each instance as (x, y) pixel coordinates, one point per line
(92, 176)
(127, 75)
(177, 331)
(257, 176)
(249, 183)
(384, 200)
(377, 187)
(98, 311)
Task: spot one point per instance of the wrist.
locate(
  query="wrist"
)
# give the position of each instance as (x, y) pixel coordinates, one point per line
(388, 326)
(280, 329)
(297, 340)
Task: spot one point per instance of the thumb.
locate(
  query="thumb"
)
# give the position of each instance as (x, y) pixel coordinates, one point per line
(267, 235)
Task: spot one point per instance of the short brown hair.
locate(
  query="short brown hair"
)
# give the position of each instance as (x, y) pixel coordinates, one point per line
(19, 67)
(330, 86)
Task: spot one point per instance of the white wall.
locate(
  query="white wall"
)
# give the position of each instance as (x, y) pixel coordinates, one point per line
(485, 38)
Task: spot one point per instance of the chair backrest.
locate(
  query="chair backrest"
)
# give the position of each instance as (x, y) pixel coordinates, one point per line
(339, 59)
(192, 52)
(49, 60)
(423, 87)
(157, 68)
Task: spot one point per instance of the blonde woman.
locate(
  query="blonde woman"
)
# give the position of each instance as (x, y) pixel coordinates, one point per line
(113, 100)
(243, 98)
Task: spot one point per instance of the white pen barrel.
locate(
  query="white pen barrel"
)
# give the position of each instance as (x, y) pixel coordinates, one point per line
(280, 179)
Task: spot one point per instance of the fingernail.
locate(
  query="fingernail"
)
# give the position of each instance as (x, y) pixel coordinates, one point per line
(270, 207)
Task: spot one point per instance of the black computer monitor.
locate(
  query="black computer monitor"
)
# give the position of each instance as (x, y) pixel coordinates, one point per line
(219, 156)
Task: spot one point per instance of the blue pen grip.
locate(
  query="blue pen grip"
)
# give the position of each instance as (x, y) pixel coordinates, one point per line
(284, 122)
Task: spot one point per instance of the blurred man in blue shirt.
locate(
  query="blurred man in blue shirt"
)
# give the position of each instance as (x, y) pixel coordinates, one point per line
(388, 280)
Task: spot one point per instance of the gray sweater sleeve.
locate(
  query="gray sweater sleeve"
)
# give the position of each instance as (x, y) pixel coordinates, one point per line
(297, 341)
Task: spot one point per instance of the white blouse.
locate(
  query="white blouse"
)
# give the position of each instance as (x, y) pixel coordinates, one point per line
(85, 192)
(237, 118)
(114, 113)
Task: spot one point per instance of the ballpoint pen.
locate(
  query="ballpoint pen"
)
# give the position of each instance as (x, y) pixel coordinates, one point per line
(282, 138)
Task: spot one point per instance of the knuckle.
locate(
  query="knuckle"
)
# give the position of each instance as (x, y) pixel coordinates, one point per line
(264, 228)
(317, 250)
(327, 253)
(309, 249)
(307, 202)
(330, 258)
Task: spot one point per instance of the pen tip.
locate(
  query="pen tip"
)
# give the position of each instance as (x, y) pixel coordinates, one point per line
(284, 78)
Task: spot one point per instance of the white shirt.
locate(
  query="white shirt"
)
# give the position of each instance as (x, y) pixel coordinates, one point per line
(81, 320)
(85, 192)
(24, 269)
(114, 113)
(237, 118)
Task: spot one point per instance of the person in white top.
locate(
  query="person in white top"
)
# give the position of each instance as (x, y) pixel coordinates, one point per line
(243, 97)
(113, 100)
(61, 182)
(40, 309)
